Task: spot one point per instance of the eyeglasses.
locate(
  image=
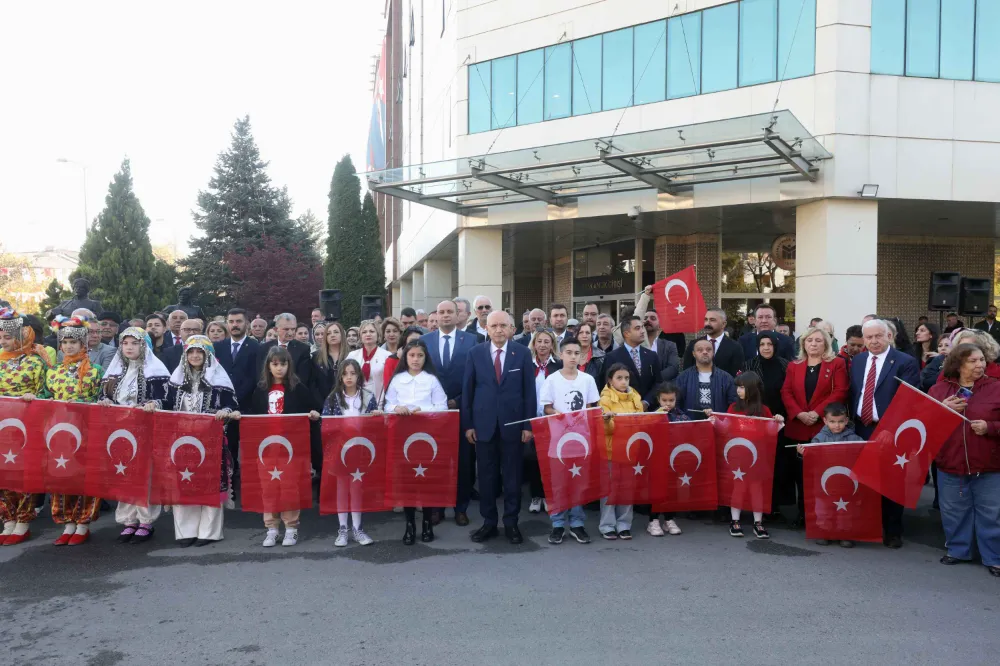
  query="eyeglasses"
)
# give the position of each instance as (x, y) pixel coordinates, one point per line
(484, 307)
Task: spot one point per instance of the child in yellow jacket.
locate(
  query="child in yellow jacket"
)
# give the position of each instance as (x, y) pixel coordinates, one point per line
(617, 398)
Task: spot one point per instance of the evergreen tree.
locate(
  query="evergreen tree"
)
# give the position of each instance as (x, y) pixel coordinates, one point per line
(354, 260)
(117, 256)
(54, 295)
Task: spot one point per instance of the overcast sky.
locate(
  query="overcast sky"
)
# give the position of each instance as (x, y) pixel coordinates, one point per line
(163, 83)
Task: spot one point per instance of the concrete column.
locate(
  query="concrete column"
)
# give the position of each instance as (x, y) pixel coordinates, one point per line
(480, 264)
(417, 280)
(836, 262)
(405, 297)
(437, 282)
(396, 307)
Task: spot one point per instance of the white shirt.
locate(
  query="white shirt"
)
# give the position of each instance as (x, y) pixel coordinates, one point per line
(493, 354)
(880, 364)
(422, 390)
(562, 335)
(377, 367)
(451, 345)
(567, 395)
(353, 405)
(539, 382)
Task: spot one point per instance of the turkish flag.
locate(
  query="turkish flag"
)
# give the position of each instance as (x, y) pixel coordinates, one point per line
(692, 484)
(908, 437)
(639, 451)
(423, 460)
(14, 437)
(744, 449)
(837, 506)
(572, 457)
(120, 454)
(54, 461)
(274, 464)
(679, 302)
(187, 459)
(355, 451)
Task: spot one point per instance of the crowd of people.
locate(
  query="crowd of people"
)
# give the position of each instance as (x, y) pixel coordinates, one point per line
(501, 373)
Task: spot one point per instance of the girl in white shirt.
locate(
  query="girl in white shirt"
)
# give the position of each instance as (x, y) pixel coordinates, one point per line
(371, 357)
(415, 388)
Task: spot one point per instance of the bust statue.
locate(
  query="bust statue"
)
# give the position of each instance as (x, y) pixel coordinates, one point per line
(187, 304)
(81, 289)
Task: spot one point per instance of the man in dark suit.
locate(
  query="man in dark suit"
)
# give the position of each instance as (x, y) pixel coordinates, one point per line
(990, 324)
(499, 389)
(766, 320)
(285, 325)
(449, 349)
(237, 354)
(483, 306)
(172, 354)
(665, 348)
(643, 364)
(873, 386)
(726, 353)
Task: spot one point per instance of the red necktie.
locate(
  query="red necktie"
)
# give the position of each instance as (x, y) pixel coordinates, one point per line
(868, 399)
(496, 365)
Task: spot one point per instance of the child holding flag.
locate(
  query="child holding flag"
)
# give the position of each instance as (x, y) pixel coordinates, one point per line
(666, 397)
(617, 398)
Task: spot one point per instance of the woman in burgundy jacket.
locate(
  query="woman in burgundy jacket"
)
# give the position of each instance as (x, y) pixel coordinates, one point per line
(968, 464)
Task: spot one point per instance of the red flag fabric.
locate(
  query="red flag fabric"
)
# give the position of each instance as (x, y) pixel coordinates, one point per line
(572, 457)
(119, 456)
(679, 302)
(423, 459)
(692, 484)
(355, 450)
(744, 449)
(55, 460)
(187, 459)
(275, 464)
(908, 437)
(14, 437)
(639, 451)
(837, 506)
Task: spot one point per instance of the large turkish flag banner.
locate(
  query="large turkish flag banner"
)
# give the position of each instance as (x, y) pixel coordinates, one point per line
(119, 454)
(744, 449)
(423, 459)
(275, 464)
(572, 457)
(187, 459)
(679, 302)
(837, 506)
(55, 461)
(692, 483)
(14, 438)
(908, 437)
(639, 451)
(355, 451)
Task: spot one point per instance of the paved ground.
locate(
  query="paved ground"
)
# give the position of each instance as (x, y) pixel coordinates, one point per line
(702, 597)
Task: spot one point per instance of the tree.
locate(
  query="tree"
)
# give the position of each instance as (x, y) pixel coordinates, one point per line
(54, 295)
(272, 279)
(237, 210)
(314, 230)
(117, 256)
(354, 261)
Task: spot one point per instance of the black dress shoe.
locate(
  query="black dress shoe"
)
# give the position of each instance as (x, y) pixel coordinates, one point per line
(513, 535)
(410, 535)
(184, 543)
(994, 571)
(461, 519)
(427, 531)
(948, 559)
(203, 542)
(893, 542)
(484, 533)
(436, 516)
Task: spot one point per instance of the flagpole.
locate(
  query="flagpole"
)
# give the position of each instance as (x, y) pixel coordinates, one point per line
(927, 395)
(548, 416)
(792, 446)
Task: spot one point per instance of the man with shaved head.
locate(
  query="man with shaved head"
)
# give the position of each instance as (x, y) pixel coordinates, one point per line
(537, 320)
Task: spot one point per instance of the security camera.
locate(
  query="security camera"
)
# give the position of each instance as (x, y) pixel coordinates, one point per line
(633, 212)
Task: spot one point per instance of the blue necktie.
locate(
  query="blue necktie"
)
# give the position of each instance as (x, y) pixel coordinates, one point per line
(236, 349)
(446, 356)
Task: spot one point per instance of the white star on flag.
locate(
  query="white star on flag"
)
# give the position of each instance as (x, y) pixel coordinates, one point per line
(685, 480)
(357, 474)
(638, 468)
(120, 469)
(419, 471)
(9, 457)
(901, 461)
(275, 474)
(61, 462)
(186, 474)
(575, 470)
(738, 474)
(680, 309)
(841, 504)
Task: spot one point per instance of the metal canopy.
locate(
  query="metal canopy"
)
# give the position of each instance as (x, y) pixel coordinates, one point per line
(671, 160)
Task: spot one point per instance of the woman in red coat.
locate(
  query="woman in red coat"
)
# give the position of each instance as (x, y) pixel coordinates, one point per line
(816, 379)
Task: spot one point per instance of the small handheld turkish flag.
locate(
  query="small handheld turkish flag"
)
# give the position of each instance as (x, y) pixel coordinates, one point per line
(187, 459)
(744, 447)
(55, 462)
(679, 302)
(423, 460)
(120, 453)
(691, 483)
(837, 506)
(274, 464)
(572, 457)
(639, 451)
(14, 435)
(355, 450)
(908, 437)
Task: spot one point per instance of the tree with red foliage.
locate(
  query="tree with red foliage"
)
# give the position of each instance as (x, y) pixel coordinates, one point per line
(271, 279)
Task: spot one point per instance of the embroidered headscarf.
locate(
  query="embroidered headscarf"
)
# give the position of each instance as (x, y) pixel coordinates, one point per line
(74, 328)
(13, 323)
(212, 371)
(150, 367)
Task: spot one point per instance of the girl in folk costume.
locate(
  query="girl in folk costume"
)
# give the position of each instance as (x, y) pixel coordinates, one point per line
(371, 357)
(135, 378)
(22, 373)
(201, 385)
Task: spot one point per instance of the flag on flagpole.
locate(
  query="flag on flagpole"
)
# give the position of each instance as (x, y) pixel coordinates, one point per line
(275, 464)
(837, 506)
(679, 302)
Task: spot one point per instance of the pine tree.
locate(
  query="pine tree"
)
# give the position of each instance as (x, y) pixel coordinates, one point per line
(117, 256)
(354, 260)
(239, 207)
(54, 295)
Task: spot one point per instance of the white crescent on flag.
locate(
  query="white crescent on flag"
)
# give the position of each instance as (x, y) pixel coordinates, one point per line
(127, 436)
(273, 439)
(571, 437)
(15, 423)
(632, 440)
(675, 282)
(361, 441)
(192, 441)
(681, 448)
(740, 441)
(64, 427)
(834, 471)
(417, 437)
(917, 425)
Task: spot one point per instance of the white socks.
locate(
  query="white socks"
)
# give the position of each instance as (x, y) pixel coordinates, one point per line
(8, 528)
(82, 529)
(70, 528)
(735, 514)
(356, 519)
(21, 529)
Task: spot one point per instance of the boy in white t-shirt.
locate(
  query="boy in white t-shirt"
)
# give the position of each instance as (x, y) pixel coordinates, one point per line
(569, 390)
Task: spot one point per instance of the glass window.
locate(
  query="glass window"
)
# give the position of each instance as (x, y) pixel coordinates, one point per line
(587, 75)
(758, 41)
(684, 49)
(796, 38)
(987, 44)
(958, 18)
(529, 87)
(720, 39)
(479, 97)
(922, 32)
(557, 82)
(504, 92)
(617, 91)
(649, 78)
(888, 36)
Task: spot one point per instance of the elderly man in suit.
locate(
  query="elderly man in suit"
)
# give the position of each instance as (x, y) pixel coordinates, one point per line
(727, 354)
(873, 385)
(172, 355)
(643, 364)
(498, 389)
(237, 355)
(285, 325)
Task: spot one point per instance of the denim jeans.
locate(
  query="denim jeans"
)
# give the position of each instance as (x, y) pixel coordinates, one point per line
(970, 510)
(574, 514)
(615, 518)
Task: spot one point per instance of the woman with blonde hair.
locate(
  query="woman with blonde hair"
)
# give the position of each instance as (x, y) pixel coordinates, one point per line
(216, 331)
(544, 346)
(371, 357)
(331, 350)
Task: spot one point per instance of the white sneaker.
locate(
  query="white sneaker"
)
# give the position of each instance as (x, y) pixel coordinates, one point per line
(545, 506)
(341, 537)
(362, 538)
(271, 539)
(397, 509)
(654, 529)
(291, 537)
(671, 527)
(536, 505)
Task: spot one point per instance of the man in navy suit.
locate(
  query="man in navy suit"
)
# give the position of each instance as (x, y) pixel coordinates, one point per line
(499, 388)
(238, 356)
(873, 385)
(643, 364)
(449, 348)
(766, 320)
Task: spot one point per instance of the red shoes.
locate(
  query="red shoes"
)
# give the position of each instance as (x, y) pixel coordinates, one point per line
(78, 539)
(15, 539)
(63, 539)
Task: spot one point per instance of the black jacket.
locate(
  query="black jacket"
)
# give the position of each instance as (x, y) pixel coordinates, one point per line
(242, 370)
(299, 400)
(645, 380)
(301, 359)
(729, 358)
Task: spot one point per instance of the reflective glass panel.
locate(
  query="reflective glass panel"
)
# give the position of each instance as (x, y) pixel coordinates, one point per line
(617, 90)
(987, 42)
(504, 92)
(720, 40)
(530, 87)
(649, 77)
(796, 38)
(958, 21)
(479, 97)
(888, 36)
(683, 55)
(557, 82)
(922, 26)
(758, 41)
(587, 75)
